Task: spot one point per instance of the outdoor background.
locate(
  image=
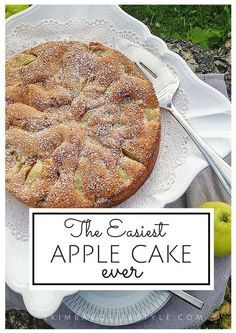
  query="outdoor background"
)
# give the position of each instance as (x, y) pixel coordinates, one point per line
(205, 25)
(201, 35)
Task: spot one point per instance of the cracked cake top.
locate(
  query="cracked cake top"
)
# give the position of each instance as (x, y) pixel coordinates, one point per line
(82, 126)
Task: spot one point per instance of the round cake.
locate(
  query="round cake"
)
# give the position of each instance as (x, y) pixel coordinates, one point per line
(82, 126)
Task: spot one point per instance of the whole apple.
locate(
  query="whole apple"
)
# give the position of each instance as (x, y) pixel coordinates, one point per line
(14, 9)
(222, 227)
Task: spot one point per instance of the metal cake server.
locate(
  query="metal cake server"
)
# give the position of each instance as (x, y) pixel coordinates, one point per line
(166, 83)
(194, 301)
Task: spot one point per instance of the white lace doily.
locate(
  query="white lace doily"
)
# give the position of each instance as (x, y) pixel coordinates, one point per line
(178, 163)
(173, 142)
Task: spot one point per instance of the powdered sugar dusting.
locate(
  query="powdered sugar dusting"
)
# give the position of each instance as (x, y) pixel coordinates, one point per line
(77, 126)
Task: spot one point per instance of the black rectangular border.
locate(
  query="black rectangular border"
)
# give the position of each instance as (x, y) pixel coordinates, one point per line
(121, 284)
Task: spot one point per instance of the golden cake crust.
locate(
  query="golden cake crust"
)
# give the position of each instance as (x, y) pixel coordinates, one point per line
(82, 126)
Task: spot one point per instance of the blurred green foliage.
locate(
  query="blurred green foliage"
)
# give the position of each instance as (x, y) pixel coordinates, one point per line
(223, 314)
(205, 25)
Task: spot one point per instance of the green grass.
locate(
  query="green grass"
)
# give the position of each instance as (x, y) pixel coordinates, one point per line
(205, 25)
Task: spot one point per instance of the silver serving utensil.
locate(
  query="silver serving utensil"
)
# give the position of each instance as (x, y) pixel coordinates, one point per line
(197, 303)
(166, 83)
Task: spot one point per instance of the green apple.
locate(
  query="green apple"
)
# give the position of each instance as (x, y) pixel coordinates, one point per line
(8, 14)
(14, 9)
(222, 227)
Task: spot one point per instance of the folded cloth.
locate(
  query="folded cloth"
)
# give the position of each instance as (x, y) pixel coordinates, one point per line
(176, 313)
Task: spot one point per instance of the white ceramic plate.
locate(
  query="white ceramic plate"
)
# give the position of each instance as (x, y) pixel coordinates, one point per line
(179, 160)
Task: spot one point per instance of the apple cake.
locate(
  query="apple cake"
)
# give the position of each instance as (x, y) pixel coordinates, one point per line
(82, 126)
